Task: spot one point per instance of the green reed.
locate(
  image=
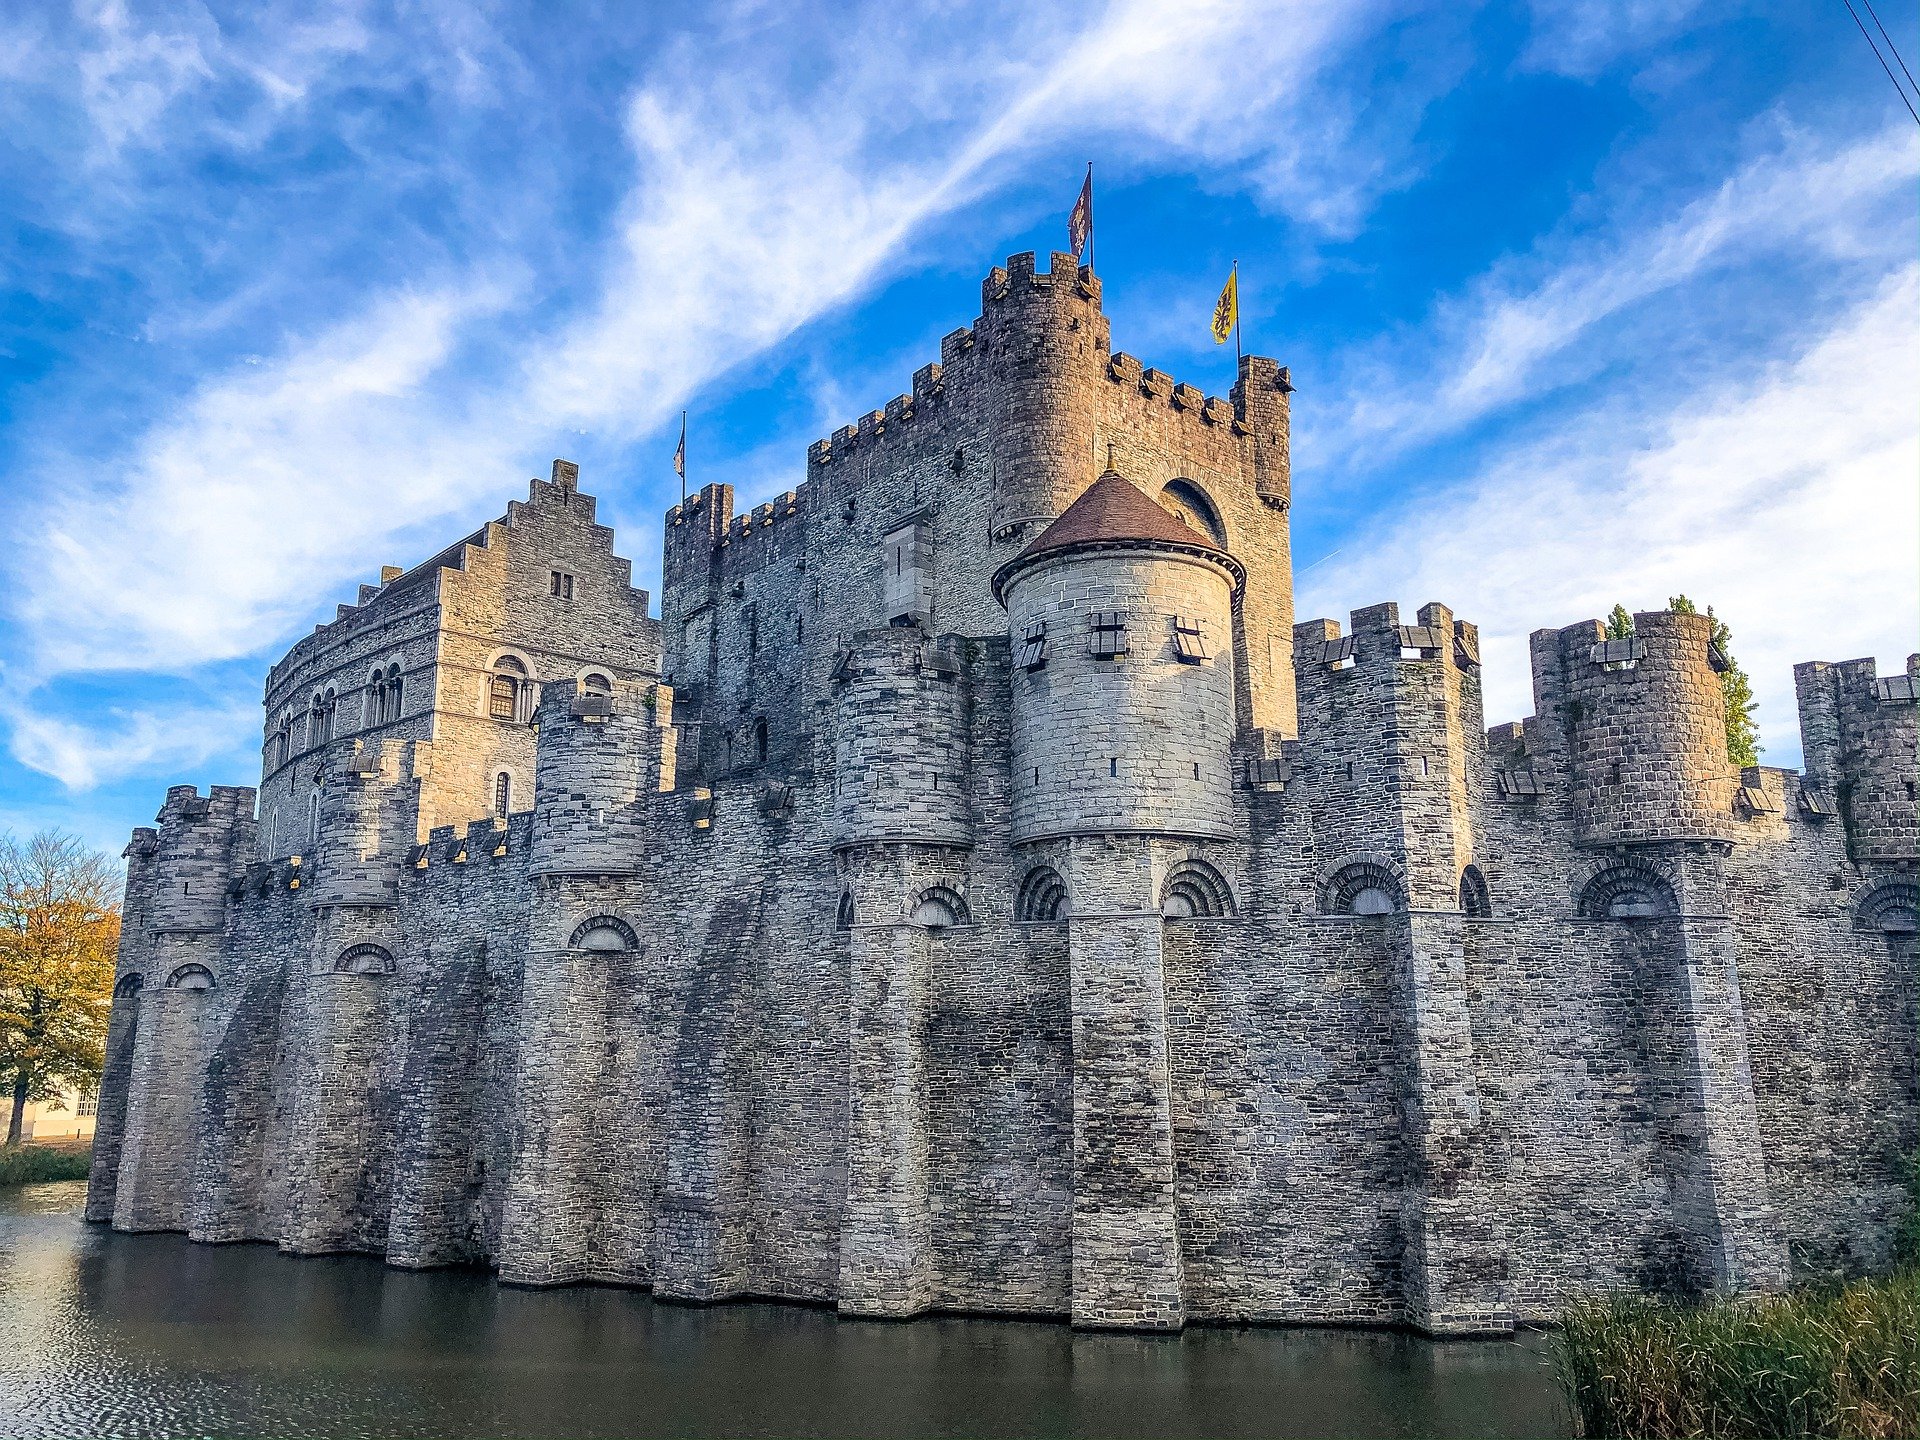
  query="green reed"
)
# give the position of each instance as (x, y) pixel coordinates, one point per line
(33, 1164)
(1838, 1360)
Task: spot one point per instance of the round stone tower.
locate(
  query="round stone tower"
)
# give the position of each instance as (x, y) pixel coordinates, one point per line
(596, 757)
(1123, 706)
(1646, 729)
(901, 761)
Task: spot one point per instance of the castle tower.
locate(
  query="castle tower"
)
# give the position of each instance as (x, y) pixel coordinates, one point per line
(1120, 618)
(123, 1027)
(599, 758)
(1642, 727)
(901, 818)
(1045, 341)
(1859, 736)
(1635, 731)
(1392, 718)
(200, 846)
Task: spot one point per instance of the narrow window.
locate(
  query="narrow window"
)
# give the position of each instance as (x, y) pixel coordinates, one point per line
(1196, 769)
(1113, 766)
(502, 793)
(1107, 635)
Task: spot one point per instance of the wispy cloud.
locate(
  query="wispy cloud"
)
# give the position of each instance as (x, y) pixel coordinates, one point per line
(1788, 504)
(1535, 322)
(124, 741)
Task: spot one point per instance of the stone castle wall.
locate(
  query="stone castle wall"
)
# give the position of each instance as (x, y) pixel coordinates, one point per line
(784, 978)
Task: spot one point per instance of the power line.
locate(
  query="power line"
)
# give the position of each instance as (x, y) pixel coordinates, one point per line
(1882, 59)
(1890, 45)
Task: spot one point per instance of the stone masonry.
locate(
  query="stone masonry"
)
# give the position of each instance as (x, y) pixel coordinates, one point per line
(973, 891)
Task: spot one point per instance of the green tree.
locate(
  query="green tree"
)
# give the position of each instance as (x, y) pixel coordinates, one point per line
(1743, 736)
(59, 929)
(1619, 624)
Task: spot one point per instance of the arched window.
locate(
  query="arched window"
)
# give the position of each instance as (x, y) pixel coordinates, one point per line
(191, 977)
(1476, 902)
(1190, 503)
(373, 704)
(364, 959)
(396, 691)
(594, 683)
(845, 917)
(316, 721)
(313, 818)
(1628, 892)
(604, 932)
(938, 907)
(127, 985)
(1892, 908)
(503, 690)
(1195, 890)
(1362, 888)
(502, 793)
(1042, 896)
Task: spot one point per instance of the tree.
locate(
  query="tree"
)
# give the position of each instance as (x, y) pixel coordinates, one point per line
(1743, 736)
(59, 930)
(1619, 624)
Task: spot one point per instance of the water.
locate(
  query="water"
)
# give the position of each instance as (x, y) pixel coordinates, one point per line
(151, 1335)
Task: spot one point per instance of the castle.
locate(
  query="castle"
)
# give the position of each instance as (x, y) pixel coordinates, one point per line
(975, 892)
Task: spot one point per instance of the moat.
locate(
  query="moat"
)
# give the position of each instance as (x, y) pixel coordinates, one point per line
(103, 1333)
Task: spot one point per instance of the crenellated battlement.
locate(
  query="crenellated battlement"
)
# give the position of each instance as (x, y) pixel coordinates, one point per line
(1860, 735)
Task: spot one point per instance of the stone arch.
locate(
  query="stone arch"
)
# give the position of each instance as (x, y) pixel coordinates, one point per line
(128, 986)
(1628, 890)
(1195, 890)
(1042, 896)
(1892, 907)
(1363, 887)
(938, 907)
(191, 977)
(365, 958)
(509, 689)
(1476, 901)
(593, 681)
(603, 932)
(843, 917)
(1192, 504)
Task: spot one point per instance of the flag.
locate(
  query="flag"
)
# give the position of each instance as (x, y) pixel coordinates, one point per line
(680, 450)
(1226, 311)
(1080, 222)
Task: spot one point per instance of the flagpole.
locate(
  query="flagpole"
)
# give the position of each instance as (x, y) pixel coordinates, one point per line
(683, 457)
(1090, 269)
(1237, 355)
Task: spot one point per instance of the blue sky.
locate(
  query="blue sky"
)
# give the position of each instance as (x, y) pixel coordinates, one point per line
(1584, 303)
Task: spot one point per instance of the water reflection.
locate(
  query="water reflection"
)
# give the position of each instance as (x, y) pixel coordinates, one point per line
(150, 1335)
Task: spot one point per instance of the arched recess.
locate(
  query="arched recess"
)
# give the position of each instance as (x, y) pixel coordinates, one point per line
(127, 986)
(844, 918)
(1630, 890)
(605, 933)
(938, 907)
(1476, 901)
(1042, 896)
(1194, 890)
(1193, 505)
(191, 977)
(364, 959)
(1363, 887)
(509, 690)
(1892, 907)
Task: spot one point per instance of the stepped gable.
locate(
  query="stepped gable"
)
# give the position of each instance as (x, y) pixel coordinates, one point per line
(1113, 511)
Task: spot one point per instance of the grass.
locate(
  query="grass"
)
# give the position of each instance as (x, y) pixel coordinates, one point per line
(1839, 1360)
(34, 1164)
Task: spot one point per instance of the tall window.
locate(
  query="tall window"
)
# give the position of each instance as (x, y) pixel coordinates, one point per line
(508, 691)
(502, 793)
(313, 818)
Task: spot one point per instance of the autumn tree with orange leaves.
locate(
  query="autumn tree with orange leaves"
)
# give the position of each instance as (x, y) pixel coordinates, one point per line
(59, 929)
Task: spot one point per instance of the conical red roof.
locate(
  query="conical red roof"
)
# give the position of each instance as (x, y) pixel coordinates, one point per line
(1113, 508)
(1112, 511)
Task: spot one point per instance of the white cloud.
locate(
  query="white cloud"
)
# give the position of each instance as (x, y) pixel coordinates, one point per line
(1529, 325)
(267, 486)
(1787, 504)
(1582, 37)
(125, 741)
